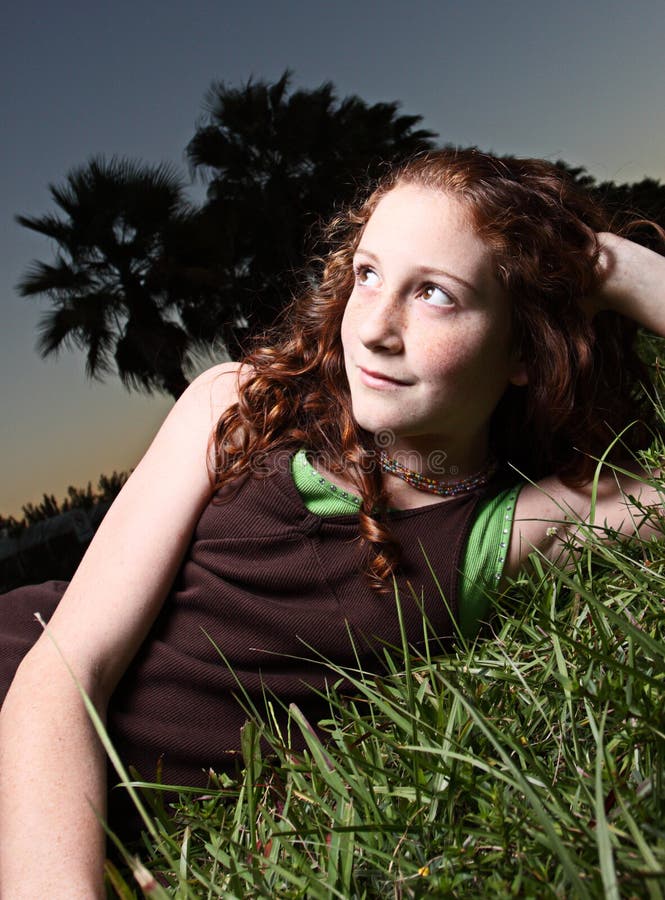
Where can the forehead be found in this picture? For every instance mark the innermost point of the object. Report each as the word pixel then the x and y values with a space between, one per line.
pixel 430 227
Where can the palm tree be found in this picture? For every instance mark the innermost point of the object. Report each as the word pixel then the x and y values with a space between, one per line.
pixel 278 162
pixel 107 289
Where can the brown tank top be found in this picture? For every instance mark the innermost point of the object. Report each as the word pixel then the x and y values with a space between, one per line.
pixel 267 594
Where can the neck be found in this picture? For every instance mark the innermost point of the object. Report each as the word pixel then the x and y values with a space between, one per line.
pixel 441 457
pixel 450 486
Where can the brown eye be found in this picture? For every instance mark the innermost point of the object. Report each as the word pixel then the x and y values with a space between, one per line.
pixel 436 296
pixel 366 276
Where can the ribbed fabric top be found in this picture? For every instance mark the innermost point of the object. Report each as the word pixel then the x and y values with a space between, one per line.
pixel 483 557
pixel 274 590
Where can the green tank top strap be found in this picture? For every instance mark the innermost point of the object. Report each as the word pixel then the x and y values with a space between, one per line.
pixel 484 558
pixel 320 496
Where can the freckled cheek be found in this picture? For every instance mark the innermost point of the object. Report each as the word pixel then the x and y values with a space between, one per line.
pixel 346 330
pixel 442 359
pixel 457 365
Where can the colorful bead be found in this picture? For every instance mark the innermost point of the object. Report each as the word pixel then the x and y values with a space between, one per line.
pixel 432 485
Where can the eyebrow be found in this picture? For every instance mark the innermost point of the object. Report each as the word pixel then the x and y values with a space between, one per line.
pixel 426 270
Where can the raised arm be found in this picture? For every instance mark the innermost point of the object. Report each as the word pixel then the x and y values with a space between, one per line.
pixel 52 768
pixel 633 284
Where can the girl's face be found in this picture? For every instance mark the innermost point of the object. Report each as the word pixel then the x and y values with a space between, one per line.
pixel 426 331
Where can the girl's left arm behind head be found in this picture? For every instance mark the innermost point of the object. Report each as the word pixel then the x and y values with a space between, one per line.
pixel 632 282
pixel 552 518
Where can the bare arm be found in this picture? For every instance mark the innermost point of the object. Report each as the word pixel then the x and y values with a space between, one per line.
pixel 547 514
pixel 52 769
pixel 633 282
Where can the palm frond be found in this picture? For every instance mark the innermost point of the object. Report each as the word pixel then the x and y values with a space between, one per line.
pixel 42 278
pixel 83 326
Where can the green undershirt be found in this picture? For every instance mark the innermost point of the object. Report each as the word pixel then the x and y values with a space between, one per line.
pixel 483 558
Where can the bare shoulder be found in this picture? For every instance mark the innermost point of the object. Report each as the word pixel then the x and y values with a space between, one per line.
pixel 188 427
pixel 130 565
pixel 221 381
pixel 214 390
pixel 549 512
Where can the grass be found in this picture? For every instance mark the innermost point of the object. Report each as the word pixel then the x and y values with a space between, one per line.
pixel 528 764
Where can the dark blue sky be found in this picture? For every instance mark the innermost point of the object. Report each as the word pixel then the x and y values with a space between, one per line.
pixel 579 81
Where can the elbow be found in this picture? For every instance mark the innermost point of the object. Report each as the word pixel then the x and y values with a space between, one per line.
pixel 44 682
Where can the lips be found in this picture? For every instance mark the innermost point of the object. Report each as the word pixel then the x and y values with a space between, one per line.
pixel 378 379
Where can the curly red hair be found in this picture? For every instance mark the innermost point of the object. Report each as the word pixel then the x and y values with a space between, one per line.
pixel 583 376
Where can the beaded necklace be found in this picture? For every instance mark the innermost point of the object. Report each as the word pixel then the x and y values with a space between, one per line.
pixel 433 485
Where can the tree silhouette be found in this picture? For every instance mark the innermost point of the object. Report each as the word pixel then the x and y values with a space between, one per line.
pixel 49 540
pixel 643 199
pixel 276 163
pixel 628 203
pixel 142 280
pixel 47 508
pixel 107 286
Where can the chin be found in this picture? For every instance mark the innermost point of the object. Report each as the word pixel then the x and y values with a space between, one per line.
pixel 368 419
pixel 385 430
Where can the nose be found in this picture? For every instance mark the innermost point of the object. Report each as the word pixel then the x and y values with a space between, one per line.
pixel 381 327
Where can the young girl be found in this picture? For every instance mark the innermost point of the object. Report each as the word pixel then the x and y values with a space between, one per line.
pixel 438 404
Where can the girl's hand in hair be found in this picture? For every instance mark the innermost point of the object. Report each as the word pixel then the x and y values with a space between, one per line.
pixel 632 282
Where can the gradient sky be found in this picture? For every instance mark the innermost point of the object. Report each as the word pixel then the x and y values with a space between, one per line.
pixel 579 81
